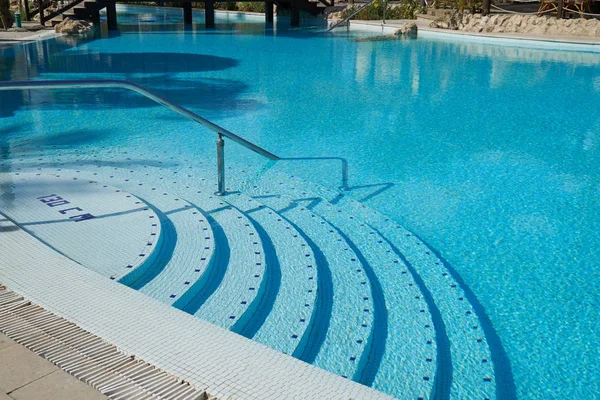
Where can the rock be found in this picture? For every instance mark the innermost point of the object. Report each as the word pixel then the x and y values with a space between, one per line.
pixel 499 23
pixel 73 27
pixel 409 30
pixel 35 28
pixel 454 20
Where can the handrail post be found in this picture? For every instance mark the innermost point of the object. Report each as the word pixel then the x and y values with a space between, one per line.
pixel 26 4
pixel 220 166
pixel 344 174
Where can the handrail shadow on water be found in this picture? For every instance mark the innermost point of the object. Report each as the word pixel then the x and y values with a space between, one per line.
pixel 344 178
pixel 344 162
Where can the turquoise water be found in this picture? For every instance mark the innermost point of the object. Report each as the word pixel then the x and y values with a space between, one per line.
pixel 490 153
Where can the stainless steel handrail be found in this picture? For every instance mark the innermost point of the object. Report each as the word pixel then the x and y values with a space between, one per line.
pixel 359 9
pixel 112 83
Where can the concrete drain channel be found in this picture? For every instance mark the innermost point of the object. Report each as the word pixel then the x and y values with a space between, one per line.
pixel 86 356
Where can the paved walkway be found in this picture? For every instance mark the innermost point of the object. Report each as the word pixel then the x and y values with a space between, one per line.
pixel 12 37
pixel 24 376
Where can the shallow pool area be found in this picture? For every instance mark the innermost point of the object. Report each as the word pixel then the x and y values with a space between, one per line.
pixel 485 156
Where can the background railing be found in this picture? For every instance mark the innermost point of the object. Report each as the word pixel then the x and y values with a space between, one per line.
pixel 345 20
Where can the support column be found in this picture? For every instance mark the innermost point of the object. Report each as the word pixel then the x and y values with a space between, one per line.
pixel 268 12
pixel 26 3
pixel 111 16
pixel 187 12
pixel 209 13
pixel 41 8
pixel 560 12
pixel 295 13
pixel 486 7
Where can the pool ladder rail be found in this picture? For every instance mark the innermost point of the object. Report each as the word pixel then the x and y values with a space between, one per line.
pixel 113 83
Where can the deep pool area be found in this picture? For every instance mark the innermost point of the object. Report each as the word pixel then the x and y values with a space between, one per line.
pixel 490 153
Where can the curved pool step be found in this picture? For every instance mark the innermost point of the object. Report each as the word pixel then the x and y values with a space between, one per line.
pixel 284 316
pixel 411 331
pixel 472 367
pixel 240 288
pixel 186 257
pixel 349 330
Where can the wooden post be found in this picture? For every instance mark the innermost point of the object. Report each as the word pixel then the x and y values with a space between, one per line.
pixel 111 15
pixel 268 11
pixel 26 10
pixel 486 7
pixel 187 12
pixel 209 13
pixel 295 13
pixel 559 12
pixel 41 8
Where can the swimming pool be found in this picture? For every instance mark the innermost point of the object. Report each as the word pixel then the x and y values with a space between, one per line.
pixel 489 153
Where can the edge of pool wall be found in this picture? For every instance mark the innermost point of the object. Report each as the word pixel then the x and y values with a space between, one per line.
pixel 573 43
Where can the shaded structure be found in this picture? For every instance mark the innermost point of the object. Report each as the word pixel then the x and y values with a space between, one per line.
pixel 90 9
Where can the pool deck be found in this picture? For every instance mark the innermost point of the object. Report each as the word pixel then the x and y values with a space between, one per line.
pixel 26 376
pixel 13 37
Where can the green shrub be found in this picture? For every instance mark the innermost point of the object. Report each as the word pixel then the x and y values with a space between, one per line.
pixel 461 5
pixel 374 11
pixel 251 6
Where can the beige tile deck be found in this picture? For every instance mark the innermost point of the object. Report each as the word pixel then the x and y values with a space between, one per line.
pixel 19 367
pixel 59 385
pixel 6 341
pixel 26 376
pixel 4 396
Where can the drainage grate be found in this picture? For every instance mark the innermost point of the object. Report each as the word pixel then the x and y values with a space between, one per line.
pixel 86 356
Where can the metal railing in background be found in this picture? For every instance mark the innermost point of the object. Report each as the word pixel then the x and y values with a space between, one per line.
pixel 345 20
pixel 108 83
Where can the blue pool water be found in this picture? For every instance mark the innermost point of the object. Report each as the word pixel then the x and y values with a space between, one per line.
pixel 490 153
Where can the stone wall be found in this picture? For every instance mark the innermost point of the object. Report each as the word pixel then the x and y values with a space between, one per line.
pixel 499 23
